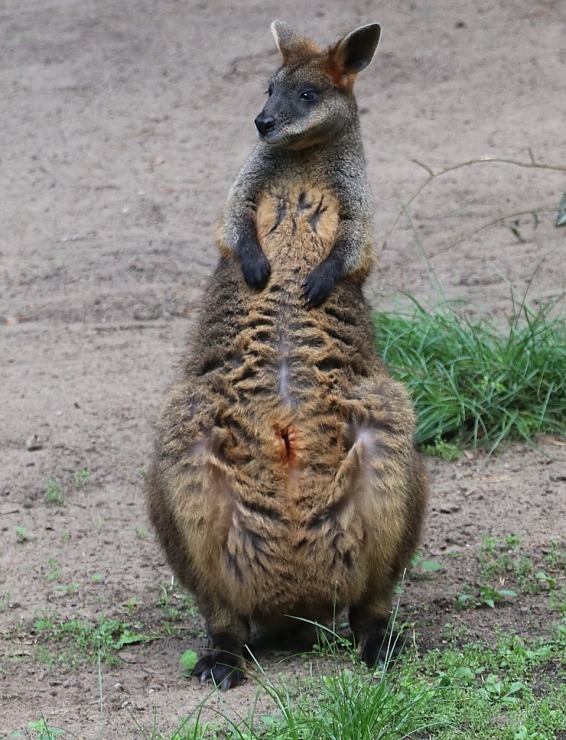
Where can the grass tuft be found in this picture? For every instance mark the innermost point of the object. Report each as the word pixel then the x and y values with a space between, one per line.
pixel 476 383
pixel 513 685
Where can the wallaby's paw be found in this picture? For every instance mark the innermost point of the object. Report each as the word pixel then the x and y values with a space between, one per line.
pixel 255 268
pixel 379 645
pixel 220 667
pixel 319 284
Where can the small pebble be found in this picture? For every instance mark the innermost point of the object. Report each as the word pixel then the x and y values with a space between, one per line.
pixel 34 443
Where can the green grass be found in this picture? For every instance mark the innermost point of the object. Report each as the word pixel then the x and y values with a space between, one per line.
pixel 6 601
pixel 21 534
pixel 516 686
pixel 141 532
pixel 349 704
pixel 346 703
pixel 477 383
pixel 68 642
pixel 512 686
pixel 53 570
pixel 504 561
pixel 53 493
pixel 81 477
pixel 512 689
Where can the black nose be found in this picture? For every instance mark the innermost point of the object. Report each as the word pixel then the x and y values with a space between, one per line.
pixel 264 124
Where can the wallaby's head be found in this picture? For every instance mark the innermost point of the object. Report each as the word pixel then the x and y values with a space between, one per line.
pixel 311 96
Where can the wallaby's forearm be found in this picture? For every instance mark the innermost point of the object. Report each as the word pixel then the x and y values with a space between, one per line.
pixel 352 254
pixel 238 231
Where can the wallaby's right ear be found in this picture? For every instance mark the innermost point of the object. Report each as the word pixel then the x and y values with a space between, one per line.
pixel 355 51
pixel 292 46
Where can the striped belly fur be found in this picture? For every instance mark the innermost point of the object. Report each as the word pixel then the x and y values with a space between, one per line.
pixel 272 389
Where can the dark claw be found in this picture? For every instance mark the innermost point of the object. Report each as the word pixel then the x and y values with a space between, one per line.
pixel 219 667
pixel 255 267
pixel 379 645
pixel 319 285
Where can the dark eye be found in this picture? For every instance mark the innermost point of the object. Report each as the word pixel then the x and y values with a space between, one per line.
pixel 309 95
pixel 269 91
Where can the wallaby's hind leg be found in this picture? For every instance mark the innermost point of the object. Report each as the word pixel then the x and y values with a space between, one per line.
pixel 391 488
pixel 222 662
pixel 188 516
pixel 374 640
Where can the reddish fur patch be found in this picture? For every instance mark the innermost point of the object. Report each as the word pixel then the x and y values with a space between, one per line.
pixel 288 443
pixel 299 53
pixel 334 67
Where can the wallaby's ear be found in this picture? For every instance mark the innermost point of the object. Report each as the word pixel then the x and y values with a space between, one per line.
pixel 292 46
pixel 355 51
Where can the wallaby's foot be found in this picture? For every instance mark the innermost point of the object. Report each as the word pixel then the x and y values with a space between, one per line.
pixel 254 265
pixel 319 284
pixel 221 667
pixel 222 663
pixel 377 644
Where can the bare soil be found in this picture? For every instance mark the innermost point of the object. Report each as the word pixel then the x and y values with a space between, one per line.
pixel 123 125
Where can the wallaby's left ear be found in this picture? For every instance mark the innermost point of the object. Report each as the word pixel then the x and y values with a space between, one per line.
pixel 355 51
pixel 292 46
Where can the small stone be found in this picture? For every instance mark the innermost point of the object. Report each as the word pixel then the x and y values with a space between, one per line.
pixel 34 443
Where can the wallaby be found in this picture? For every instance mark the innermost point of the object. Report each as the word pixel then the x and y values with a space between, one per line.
pixel 285 481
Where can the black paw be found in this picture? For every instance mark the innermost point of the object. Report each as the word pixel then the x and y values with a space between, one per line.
pixel 255 267
pixel 220 667
pixel 379 645
pixel 319 284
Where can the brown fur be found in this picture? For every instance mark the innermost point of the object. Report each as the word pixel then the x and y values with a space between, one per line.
pixel 285 480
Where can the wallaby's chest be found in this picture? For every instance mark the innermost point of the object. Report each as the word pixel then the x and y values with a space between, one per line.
pixel 297 224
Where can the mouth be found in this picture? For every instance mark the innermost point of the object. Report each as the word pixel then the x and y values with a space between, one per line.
pixel 269 138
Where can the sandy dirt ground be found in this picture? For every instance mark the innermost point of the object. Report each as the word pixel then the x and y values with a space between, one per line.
pixel 122 128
